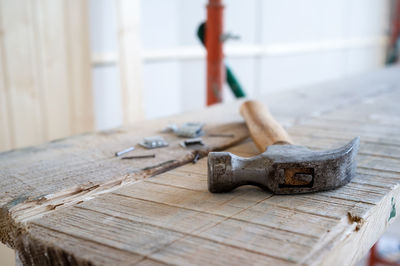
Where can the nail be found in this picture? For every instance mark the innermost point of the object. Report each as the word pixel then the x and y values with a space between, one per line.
pixel 196 158
pixel 124 151
pixel 138 157
pixel 222 135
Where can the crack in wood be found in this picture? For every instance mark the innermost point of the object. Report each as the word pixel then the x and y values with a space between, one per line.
pixel 355 219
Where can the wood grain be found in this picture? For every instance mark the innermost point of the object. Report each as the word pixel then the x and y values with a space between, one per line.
pixel 129 59
pixel 75 169
pixel 25 102
pixel 83 206
pixel 79 67
pixel 6 140
pixel 52 67
pixel 45 90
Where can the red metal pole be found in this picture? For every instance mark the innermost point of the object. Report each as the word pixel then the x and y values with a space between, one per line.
pixel 375 260
pixel 395 24
pixel 215 56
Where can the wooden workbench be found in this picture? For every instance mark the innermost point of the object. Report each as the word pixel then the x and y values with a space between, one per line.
pixel 72 202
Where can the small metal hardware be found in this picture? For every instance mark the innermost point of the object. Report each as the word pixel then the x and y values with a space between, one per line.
pixel 124 151
pixel 190 130
pixel 192 142
pixel 138 157
pixel 153 142
pixel 222 135
pixel 229 36
pixel 196 158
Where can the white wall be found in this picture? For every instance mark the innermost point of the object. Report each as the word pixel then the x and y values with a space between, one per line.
pixel 284 44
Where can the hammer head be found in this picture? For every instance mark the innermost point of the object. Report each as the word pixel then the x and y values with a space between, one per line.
pixel 284 169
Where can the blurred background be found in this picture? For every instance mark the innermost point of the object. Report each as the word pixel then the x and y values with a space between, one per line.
pixel 73 66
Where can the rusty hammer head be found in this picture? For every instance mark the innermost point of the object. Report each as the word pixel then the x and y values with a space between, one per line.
pixel 283 168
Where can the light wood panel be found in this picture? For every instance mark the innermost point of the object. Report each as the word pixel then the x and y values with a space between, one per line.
pixel 6 140
pixel 51 50
pixel 79 65
pixel 45 71
pixel 129 59
pixel 20 67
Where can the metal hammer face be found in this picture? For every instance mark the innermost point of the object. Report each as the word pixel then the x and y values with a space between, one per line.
pixel 284 169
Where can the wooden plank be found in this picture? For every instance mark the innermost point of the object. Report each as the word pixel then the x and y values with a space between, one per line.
pixel 20 59
pixel 357 126
pixel 91 168
pixel 345 205
pixel 152 213
pixel 84 250
pixel 190 222
pixel 64 66
pixel 79 65
pixel 313 103
pixel 193 200
pixel 179 214
pixel 76 190
pixel 111 231
pixel 129 58
pixel 197 251
pixel 52 67
pixel 262 227
pixel 45 71
pixel 102 171
pixel 233 205
pixel 350 246
pixel 6 140
pixel 125 233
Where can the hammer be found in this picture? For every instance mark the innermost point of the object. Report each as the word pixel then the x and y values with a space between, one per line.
pixel 283 168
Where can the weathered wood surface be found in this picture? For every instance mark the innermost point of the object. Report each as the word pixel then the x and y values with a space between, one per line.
pixel 72 202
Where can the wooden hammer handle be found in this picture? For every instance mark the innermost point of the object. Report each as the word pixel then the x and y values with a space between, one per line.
pixel 264 129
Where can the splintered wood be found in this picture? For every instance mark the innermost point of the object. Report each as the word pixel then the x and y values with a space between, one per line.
pixel 72 202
